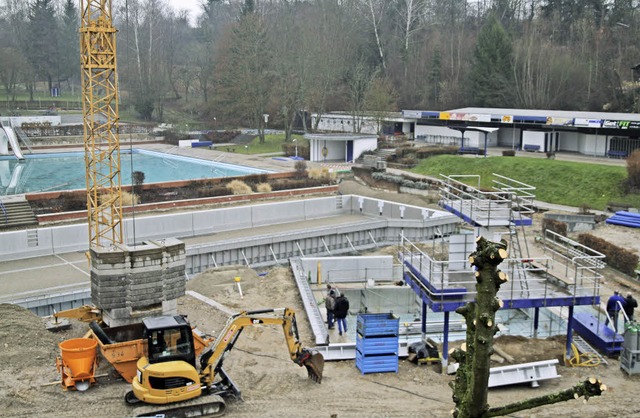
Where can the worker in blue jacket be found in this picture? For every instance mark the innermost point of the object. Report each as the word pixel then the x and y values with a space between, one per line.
pixel 615 303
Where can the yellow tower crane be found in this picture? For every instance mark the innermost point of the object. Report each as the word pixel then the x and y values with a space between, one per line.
pixel 100 115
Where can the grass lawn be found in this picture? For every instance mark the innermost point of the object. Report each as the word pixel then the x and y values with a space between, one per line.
pixel 272 143
pixel 561 182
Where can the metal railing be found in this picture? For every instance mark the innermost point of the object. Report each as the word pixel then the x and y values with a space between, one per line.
pixel 483 207
pixel 445 283
pixel 581 262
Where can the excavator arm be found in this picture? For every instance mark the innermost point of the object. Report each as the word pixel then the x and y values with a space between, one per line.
pixel 85 313
pixel 211 361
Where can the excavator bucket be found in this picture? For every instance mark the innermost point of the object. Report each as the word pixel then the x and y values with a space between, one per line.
pixel 314 364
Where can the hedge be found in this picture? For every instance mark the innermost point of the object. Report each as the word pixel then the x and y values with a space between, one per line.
pixel 616 257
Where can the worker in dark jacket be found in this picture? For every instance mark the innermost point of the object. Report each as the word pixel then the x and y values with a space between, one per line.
pixel 614 305
pixel 341 311
pixel 629 306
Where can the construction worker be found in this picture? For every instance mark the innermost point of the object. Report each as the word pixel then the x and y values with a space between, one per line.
pixel 630 304
pixel 614 305
pixel 330 305
pixel 341 312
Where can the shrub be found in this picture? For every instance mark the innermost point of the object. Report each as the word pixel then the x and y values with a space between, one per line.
pixel 221 137
pixel 71 202
pixel 213 191
pixel 174 137
pixel 616 257
pixel 255 178
pixel 555 226
pixel 427 152
pixel 319 173
pixel 289 149
pixel 128 199
pixel 263 188
pixel 509 153
pixel 633 171
pixel 239 187
pixel 300 167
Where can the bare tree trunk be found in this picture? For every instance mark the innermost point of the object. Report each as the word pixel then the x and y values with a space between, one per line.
pixel 472 378
pixel 470 387
pixel 376 29
pixel 586 389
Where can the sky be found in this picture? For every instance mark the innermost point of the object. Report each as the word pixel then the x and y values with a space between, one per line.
pixel 193 6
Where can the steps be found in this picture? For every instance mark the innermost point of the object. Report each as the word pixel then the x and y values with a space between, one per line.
pixel 16 212
pixel 584 348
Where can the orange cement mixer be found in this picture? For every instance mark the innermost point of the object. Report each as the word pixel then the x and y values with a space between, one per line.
pixel 78 363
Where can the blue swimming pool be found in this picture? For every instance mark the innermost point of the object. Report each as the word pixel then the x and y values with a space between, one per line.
pixel 66 171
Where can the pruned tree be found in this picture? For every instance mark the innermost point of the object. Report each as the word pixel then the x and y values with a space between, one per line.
pixel 472 377
pixel 470 386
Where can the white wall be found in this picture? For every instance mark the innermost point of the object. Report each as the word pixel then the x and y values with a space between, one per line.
pixel 436 130
pixel 508 137
pixel 533 138
pixel 593 145
pixel 336 150
pixel 362 145
pixel 344 123
pixel 569 141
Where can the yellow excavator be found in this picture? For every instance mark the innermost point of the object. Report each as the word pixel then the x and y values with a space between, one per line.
pixel 167 375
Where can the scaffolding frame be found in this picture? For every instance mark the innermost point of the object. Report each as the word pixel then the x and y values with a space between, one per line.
pixel 100 118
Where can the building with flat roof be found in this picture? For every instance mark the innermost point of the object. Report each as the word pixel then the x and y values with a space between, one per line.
pixel 590 133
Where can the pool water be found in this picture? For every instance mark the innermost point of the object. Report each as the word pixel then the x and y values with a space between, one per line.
pixel 66 171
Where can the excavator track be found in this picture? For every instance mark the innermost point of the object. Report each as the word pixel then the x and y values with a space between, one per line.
pixel 203 406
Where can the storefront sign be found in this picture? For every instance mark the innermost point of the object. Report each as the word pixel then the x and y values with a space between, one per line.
pixel 591 123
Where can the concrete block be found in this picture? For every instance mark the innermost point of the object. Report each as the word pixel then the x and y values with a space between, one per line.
pixel 575 222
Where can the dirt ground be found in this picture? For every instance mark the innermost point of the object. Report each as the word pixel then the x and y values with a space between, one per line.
pixel 273 386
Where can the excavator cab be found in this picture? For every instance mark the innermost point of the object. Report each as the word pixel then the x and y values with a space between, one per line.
pixel 169 338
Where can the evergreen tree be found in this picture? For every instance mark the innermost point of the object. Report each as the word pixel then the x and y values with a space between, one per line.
pixel 42 46
pixel 68 54
pixel 491 81
pixel 244 74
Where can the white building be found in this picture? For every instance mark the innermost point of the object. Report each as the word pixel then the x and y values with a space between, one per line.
pixel 342 148
pixel 589 133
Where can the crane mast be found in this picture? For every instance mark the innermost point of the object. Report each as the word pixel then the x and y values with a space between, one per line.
pixel 100 117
